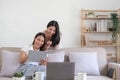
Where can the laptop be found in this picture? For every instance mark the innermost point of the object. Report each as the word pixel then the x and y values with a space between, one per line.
pixel 36 56
pixel 60 71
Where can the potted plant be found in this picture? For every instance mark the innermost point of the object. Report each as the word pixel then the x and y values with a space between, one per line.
pixel 115 26
pixel 18 76
pixel 91 14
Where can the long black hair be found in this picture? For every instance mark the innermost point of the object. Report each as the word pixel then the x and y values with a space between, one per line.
pixel 40 34
pixel 56 37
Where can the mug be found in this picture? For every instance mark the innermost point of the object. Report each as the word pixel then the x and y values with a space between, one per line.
pixel 38 75
pixel 81 76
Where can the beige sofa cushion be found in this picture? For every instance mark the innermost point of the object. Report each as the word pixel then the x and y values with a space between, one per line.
pixel 101 56
pixel 13 49
pixel 85 62
pixel 10 63
pixel 56 56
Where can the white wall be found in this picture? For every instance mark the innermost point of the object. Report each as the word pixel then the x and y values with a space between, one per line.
pixel 20 20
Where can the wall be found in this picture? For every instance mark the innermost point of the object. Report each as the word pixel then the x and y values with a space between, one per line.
pixel 20 20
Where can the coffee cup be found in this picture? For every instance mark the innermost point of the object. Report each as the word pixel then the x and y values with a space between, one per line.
pixel 38 75
pixel 82 76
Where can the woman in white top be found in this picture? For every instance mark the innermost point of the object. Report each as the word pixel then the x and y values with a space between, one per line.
pixel 53 35
pixel 37 45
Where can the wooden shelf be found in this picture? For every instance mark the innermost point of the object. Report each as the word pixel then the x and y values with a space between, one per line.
pixel 99 46
pixel 96 18
pixel 100 10
pixel 98 25
pixel 97 32
pixel 113 58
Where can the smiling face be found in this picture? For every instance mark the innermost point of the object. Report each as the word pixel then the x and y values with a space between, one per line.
pixel 51 31
pixel 38 42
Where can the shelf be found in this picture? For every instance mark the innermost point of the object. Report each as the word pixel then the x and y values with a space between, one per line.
pixel 95 32
pixel 113 58
pixel 96 18
pixel 100 46
pixel 100 10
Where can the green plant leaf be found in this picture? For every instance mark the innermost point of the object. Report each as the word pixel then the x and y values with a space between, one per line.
pixel 115 26
pixel 18 74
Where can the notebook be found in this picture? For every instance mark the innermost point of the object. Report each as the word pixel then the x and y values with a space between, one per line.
pixel 60 71
pixel 36 56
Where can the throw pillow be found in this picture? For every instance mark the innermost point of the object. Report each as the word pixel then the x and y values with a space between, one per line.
pixel 111 73
pixel 56 56
pixel 10 63
pixel 85 62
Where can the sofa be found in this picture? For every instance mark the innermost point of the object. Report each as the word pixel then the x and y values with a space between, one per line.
pixel 92 61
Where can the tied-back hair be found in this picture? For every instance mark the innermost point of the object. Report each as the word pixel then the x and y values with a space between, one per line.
pixel 40 34
pixel 56 37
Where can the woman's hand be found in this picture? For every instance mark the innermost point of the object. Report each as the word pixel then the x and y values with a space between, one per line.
pixel 49 43
pixel 43 62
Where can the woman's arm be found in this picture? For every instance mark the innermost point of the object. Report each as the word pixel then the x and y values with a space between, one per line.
pixel 23 57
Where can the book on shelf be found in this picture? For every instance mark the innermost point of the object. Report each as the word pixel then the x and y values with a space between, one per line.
pixel 101 26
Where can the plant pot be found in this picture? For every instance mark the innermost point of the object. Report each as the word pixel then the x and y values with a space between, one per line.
pixel 16 78
pixel 91 16
pixel 111 29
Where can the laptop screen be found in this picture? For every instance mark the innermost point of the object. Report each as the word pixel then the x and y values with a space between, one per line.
pixel 60 71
